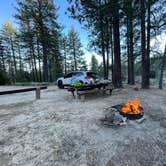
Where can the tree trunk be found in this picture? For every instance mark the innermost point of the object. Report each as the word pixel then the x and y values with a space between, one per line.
pixel 65 56
pixel 148 47
pixel 117 59
pixel 3 68
pixel 163 66
pixel 107 52
pixel 128 52
pixel 20 59
pixel 65 62
pixel 143 47
pixel 103 54
pixel 107 46
pixel 11 74
pixel 45 64
pixel 74 54
pixel 112 48
pixel 129 13
pixel 102 40
pixel 132 80
pixel 34 62
pixel 3 63
pixel 14 58
pixel 50 69
pixel 39 61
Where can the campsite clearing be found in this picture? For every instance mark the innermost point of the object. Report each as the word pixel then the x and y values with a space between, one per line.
pixel 58 130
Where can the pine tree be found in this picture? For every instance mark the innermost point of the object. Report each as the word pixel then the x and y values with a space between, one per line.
pixel 8 34
pixel 75 50
pixel 103 21
pixel 38 18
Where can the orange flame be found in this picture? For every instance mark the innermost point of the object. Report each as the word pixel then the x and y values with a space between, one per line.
pixel 131 107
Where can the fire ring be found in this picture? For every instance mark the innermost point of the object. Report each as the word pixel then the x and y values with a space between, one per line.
pixel 132 116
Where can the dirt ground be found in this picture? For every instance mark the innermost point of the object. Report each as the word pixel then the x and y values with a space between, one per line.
pixel 60 131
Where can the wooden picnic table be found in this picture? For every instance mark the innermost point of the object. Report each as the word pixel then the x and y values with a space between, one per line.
pixel 78 92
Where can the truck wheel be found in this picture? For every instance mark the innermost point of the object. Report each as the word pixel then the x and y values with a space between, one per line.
pixel 81 82
pixel 60 84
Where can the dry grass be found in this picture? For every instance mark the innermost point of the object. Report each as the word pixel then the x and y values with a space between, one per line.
pixel 58 130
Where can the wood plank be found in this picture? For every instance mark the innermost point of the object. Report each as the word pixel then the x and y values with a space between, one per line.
pixel 20 90
pixel 87 91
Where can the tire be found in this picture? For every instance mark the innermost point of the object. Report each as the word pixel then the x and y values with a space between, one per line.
pixel 60 84
pixel 81 81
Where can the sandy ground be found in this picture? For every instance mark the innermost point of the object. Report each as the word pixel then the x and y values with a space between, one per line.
pixel 60 131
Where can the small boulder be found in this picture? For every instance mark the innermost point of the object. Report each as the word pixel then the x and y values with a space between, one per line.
pixel 136 88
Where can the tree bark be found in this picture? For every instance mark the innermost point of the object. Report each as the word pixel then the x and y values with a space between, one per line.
pixel 112 47
pixel 163 66
pixel 65 55
pixel 74 55
pixel 102 40
pixel 128 52
pixel 107 52
pixel 2 58
pixel 39 61
pixel 20 59
pixel 143 47
pixel 103 52
pixel 14 58
pixel 117 58
pixel 107 46
pixel 34 62
pixel 132 80
pixel 129 14
pixel 148 47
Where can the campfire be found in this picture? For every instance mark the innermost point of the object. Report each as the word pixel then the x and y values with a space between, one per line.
pixel 120 114
pixel 132 110
pixel 132 107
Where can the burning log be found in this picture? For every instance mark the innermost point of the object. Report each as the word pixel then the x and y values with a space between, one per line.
pixel 132 110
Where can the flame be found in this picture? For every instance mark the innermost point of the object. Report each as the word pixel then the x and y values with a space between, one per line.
pixel 132 107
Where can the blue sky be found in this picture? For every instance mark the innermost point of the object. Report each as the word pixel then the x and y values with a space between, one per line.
pixel 7 11
pixel 67 22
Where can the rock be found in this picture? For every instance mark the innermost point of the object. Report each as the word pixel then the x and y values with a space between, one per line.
pixel 112 117
pixel 109 115
pixel 118 119
pixel 136 88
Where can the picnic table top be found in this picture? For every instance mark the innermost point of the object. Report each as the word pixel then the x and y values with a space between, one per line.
pixel 90 86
